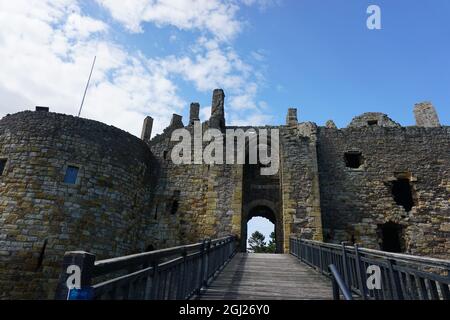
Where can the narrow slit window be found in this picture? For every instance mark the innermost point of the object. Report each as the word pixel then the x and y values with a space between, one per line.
pixel 2 166
pixel 175 202
pixel 353 159
pixel 71 175
pixel 174 208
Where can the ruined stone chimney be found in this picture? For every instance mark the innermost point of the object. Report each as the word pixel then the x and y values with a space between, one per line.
pixel 177 121
pixel 291 118
pixel 42 109
pixel 194 112
pixel 426 115
pixel 147 129
pixel 217 119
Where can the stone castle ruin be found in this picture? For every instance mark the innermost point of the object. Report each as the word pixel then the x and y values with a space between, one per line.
pixel 68 183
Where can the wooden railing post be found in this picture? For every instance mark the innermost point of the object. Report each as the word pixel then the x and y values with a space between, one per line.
pixel 182 279
pixel 360 273
pixel 155 281
pixel 201 267
pixel 77 272
pixel 395 280
pixel 206 263
pixel 344 263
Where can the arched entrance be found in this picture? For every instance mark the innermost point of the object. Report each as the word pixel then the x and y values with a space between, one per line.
pixel 265 209
pixel 261 198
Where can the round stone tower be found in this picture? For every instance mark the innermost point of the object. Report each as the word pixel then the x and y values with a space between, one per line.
pixel 67 183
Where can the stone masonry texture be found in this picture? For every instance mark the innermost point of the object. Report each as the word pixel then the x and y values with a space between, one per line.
pixel 332 185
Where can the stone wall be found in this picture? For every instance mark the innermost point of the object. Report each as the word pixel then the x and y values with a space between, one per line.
pixel 356 201
pixel 333 185
pixel 300 183
pixel 105 212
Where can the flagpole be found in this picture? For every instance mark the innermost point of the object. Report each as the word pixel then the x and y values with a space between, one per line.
pixel 87 85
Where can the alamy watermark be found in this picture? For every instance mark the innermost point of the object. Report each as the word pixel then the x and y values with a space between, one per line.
pixel 236 146
pixel 374 20
pixel 374 277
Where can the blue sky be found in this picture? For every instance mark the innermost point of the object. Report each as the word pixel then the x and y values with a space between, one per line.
pixel 154 57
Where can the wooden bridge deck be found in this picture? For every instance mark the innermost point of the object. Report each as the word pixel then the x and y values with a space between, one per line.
pixel 251 276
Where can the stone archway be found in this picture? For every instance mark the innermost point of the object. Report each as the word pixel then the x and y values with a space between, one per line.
pixel 265 209
pixel 261 198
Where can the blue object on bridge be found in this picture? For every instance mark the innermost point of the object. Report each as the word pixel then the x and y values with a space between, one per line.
pixel 86 293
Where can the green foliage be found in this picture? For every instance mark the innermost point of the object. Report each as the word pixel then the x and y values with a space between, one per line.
pixel 257 243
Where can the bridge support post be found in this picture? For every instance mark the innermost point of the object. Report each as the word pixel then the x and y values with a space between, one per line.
pixel 77 274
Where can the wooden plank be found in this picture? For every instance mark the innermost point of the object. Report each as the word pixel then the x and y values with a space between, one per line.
pixel 268 276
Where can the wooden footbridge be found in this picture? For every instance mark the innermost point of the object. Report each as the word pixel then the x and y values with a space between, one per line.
pixel 213 269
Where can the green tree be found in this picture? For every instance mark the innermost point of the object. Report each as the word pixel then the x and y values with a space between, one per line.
pixel 272 245
pixel 257 243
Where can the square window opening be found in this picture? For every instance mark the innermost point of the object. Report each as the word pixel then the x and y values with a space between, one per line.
pixel 353 160
pixel 71 174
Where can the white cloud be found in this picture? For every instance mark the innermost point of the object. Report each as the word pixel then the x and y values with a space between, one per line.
pixel 215 16
pixel 49 46
pixel 262 4
pixel 252 119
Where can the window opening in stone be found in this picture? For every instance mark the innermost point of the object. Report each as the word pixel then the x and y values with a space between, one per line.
pixel 174 208
pixel 155 216
pixel 175 203
pixel 2 166
pixel 165 154
pixel 353 159
pixel 391 237
pixel 71 174
pixel 402 193
pixel 372 122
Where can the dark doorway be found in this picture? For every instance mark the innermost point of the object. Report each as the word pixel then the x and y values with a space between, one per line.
pixel 402 193
pixel 391 237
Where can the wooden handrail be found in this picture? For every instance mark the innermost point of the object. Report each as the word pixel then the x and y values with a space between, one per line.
pixel 172 273
pixel 396 276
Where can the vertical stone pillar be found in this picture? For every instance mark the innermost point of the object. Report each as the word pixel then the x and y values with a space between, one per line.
pixel 217 119
pixel 147 129
pixel 426 115
pixel 291 118
pixel 177 121
pixel 194 113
